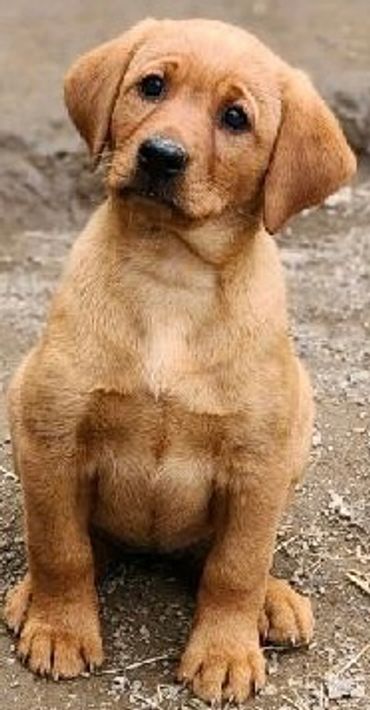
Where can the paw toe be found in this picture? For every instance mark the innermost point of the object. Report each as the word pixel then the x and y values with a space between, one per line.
pixel 16 604
pixel 92 651
pixel 208 683
pixel 35 648
pixel 68 662
pixel 289 614
pixel 190 663
pixel 239 683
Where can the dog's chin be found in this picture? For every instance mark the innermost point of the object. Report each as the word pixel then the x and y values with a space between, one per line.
pixel 157 197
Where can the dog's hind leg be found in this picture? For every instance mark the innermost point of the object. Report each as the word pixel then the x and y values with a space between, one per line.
pixel 287 616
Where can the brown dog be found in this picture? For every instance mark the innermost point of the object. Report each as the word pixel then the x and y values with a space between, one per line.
pixel 164 402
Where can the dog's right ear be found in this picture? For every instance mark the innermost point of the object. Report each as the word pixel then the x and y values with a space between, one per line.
pixel 92 85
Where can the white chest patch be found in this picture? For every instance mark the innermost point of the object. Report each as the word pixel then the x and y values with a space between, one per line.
pixel 166 353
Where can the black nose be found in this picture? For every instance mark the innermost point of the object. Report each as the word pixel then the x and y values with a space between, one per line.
pixel 162 157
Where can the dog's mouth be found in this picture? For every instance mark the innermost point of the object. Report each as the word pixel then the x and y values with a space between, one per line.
pixel 155 191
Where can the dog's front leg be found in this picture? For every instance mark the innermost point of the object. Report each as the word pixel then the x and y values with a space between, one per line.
pixel 55 606
pixel 223 656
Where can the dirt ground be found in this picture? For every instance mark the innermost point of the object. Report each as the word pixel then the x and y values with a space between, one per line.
pixel 324 542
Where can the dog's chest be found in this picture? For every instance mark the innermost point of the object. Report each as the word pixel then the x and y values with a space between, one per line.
pixel 165 326
pixel 164 352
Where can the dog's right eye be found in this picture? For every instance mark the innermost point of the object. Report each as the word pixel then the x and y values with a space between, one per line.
pixel 152 87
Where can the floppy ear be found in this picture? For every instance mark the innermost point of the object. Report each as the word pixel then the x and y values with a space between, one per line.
pixel 311 157
pixel 92 84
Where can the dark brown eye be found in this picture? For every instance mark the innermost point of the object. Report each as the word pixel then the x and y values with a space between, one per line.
pixel 235 118
pixel 152 87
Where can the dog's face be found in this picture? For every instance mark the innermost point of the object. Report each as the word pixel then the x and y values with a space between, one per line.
pixel 202 118
pixel 188 108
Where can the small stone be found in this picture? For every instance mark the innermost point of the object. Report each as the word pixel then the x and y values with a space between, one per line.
pixel 339 688
pixel 337 505
pixel 269 690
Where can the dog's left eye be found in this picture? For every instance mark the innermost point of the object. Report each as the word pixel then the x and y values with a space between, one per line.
pixel 152 87
pixel 235 118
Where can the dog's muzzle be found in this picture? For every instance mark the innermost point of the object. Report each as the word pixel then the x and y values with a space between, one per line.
pixel 159 162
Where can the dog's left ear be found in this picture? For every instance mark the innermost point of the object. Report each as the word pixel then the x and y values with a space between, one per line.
pixel 311 157
pixel 91 86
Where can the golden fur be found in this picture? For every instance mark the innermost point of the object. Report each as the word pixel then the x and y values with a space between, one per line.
pixel 164 402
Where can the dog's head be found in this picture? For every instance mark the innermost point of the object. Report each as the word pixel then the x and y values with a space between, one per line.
pixel 203 118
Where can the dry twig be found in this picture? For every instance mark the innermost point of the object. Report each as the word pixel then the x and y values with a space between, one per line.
pixel 352 661
pixel 148 661
pixel 359 580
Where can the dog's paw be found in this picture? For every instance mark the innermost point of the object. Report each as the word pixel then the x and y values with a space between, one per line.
pixel 57 639
pixel 50 649
pixel 218 669
pixel 16 604
pixel 287 616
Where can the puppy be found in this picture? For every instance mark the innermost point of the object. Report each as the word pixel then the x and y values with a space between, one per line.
pixel 164 402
